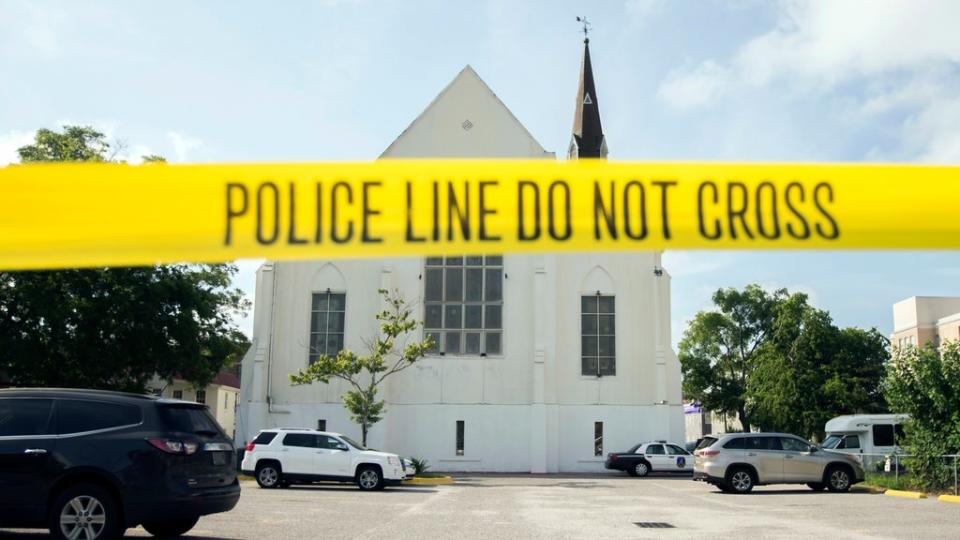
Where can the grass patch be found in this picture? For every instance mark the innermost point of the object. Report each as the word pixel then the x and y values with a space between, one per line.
pixel 889 481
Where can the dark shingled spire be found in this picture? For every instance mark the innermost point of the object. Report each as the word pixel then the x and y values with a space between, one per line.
pixel 588 140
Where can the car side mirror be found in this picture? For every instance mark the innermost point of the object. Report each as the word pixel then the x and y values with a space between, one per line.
pixel 813 450
pixel 343 447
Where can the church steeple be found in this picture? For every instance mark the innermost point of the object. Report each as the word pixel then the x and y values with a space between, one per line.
pixel 588 140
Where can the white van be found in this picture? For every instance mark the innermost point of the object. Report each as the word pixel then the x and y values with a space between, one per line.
pixel 872 436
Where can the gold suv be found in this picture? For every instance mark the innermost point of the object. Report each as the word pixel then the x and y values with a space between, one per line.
pixel 738 461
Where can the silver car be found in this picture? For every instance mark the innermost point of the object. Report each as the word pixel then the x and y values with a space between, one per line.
pixel 738 461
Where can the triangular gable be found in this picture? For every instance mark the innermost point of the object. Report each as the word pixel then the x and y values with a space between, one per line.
pixel 466 120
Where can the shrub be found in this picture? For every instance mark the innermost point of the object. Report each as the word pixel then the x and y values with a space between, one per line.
pixel 925 382
pixel 420 466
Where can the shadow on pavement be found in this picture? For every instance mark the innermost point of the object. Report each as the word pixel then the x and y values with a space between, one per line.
pixel 782 492
pixel 37 534
pixel 352 488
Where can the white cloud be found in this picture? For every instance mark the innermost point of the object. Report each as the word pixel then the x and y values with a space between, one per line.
pixel 937 129
pixel 690 88
pixel 817 46
pixel 183 145
pixel 642 8
pixel 10 142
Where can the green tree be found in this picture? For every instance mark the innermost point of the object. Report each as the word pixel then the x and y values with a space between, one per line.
pixel 75 143
pixel 114 328
pixel 780 364
pixel 720 348
pixel 811 371
pixel 925 383
pixel 389 353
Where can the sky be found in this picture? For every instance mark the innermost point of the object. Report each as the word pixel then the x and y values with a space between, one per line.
pixel 737 80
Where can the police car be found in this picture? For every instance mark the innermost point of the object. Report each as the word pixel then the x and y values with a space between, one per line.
pixel 658 456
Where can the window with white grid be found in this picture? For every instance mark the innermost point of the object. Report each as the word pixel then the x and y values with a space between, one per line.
pixel 327 313
pixel 598 341
pixel 463 304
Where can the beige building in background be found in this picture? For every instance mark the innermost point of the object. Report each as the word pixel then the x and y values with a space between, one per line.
pixel 220 396
pixel 919 320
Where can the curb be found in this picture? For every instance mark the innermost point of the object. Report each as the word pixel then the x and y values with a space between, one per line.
pixel 438 481
pixel 905 494
pixel 949 498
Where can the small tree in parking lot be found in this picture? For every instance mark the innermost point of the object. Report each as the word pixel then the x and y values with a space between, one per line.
pixel 389 354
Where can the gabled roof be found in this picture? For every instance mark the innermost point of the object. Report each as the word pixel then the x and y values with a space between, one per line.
pixel 466 119
pixel 588 140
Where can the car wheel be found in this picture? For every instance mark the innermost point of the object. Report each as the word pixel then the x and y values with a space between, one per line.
pixel 171 528
pixel 724 487
pixel 740 480
pixel 817 486
pixel 369 478
pixel 269 475
pixel 641 469
pixel 838 479
pixel 85 511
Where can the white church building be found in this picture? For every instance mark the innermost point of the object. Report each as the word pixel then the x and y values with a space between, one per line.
pixel 544 363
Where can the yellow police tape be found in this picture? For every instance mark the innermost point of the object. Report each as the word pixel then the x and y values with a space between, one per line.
pixel 76 215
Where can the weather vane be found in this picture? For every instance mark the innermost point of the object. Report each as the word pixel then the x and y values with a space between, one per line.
pixel 586 26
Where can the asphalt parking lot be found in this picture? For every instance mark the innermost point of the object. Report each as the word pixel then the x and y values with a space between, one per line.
pixel 567 507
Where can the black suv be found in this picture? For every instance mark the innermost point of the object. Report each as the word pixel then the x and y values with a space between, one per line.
pixel 89 464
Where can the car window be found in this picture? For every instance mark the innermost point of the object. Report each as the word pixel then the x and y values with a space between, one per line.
pixel 763 443
pixel 655 449
pixel 303 440
pixel 738 443
pixel 674 450
pixel 265 438
pixel 831 442
pixel 898 432
pixel 353 443
pixel 81 416
pixel 794 445
pixel 883 434
pixel 189 419
pixel 324 441
pixel 851 442
pixel 25 416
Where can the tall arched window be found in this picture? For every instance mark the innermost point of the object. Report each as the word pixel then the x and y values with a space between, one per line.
pixel 598 341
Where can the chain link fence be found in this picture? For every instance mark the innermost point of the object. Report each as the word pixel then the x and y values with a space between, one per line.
pixel 895 470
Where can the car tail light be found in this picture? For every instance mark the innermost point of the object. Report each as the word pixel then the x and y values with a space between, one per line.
pixel 250 447
pixel 709 453
pixel 172 446
pixel 613 457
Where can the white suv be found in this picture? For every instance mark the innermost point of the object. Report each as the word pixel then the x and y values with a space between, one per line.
pixel 280 457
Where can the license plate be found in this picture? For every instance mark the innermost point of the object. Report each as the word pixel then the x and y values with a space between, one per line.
pixel 219 458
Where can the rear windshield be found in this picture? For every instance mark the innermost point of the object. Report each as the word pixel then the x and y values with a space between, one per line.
pixel 706 442
pixel 190 420
pixel 265 438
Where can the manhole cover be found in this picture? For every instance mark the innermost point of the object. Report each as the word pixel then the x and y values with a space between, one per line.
pixel 653 525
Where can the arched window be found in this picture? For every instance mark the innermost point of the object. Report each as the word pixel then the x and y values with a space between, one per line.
pixel 327 314
pixel 598 341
